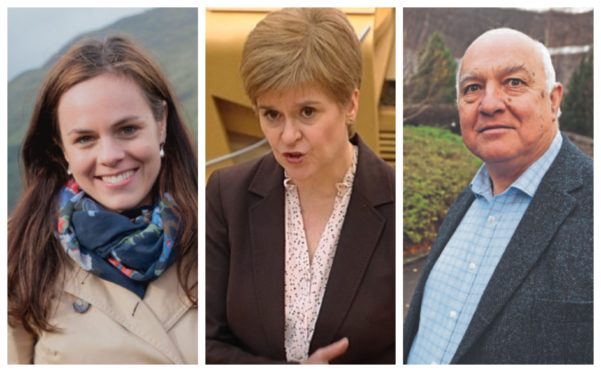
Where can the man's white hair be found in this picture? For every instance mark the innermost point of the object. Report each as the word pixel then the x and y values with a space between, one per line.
pixel 543 51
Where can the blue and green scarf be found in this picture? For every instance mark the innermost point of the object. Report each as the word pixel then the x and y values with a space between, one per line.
pixel 130 249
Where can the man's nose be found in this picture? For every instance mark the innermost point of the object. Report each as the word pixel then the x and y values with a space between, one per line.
pixel 110 152
pixel 290 132
pixel 493 101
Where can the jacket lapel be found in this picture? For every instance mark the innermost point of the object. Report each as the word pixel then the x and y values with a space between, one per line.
pixel 358 238
pixel 149 319
pixel 266 219
pixel 550 206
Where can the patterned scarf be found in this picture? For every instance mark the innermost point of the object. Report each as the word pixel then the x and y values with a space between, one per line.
pixel 129 251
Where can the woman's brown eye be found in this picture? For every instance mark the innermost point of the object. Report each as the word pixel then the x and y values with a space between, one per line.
pixel 308 112
pixel 271 115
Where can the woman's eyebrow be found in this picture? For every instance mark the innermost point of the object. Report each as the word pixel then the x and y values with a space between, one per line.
pixel 115 124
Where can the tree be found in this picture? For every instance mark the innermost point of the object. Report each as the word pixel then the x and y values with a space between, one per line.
pixel 577 107
pixel 434 80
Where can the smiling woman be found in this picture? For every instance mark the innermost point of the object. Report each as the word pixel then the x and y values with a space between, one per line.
pixel 102 247
pixel 111 141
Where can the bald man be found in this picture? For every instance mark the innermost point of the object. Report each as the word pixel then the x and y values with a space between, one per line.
pixel 510 276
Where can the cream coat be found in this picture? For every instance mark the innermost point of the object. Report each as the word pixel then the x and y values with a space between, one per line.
pixel 118 327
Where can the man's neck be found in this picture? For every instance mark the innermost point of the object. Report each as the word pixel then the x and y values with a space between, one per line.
pixel 504 173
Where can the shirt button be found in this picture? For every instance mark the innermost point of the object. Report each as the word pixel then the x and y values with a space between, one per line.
pixel 472 266
pixel 492 220
pixel 453 314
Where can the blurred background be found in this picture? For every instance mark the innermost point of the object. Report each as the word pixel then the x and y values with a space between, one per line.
pixel 436 164
pixel 37 36
pixel 233 133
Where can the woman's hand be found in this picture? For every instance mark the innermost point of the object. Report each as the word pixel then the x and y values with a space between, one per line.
pixel 323 355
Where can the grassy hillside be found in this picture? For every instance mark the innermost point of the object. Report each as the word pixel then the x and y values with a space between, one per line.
pixel 436 167
pixel 170 35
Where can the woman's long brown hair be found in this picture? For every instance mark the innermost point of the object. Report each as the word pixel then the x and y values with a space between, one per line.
pixel 35 258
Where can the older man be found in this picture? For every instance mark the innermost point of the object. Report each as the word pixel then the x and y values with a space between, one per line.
pixel 510 276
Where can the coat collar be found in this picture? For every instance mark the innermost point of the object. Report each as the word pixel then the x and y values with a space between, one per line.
pixel 371 188
pixel 150 319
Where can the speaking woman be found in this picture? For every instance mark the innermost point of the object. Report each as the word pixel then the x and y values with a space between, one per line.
pixel 102 246
pixel 300 243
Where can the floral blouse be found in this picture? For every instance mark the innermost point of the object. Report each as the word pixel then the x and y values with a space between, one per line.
pixel 305 280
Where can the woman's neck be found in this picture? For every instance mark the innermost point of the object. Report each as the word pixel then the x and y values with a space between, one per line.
pixel 323 185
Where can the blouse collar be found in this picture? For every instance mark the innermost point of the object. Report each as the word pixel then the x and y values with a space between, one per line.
pixel 345 184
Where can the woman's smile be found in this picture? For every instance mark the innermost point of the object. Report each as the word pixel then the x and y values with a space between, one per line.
pixel 118 180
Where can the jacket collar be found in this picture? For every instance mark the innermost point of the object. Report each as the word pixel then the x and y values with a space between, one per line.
pixel 371 189
pixel 150 319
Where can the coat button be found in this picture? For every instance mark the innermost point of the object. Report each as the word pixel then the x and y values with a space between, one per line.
pixel 81 306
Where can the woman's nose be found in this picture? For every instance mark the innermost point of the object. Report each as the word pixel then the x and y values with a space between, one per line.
pixel 290 132
pixel 110 152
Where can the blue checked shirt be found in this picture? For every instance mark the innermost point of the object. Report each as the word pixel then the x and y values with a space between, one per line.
pixel 461 273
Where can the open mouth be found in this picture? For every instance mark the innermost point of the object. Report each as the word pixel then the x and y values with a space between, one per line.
pixel 294 157
pixel 118 179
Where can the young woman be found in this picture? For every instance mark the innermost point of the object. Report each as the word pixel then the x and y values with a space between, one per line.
pixel 102 246
pixel 300 243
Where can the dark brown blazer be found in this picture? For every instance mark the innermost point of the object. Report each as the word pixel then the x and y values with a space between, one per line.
pixel 245 266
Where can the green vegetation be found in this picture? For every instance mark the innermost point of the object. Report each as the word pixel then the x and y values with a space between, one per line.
pixel 436 167
pixel 434 79
pixel 170 35
pixel 577 107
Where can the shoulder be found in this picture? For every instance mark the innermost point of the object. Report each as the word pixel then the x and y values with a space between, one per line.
pixel 571 171
pixel 20 345
pixel 574 157
pixel 241 176
pixel 374 176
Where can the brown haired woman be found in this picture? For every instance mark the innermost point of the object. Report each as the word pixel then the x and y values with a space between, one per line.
pixel 300 243
pixel 102 246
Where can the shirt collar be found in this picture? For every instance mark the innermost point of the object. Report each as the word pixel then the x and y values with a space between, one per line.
pixel 528 181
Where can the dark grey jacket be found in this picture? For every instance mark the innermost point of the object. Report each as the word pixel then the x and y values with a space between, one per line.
pixel 538 305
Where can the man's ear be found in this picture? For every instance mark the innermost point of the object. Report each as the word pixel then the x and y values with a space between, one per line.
pixel 556 96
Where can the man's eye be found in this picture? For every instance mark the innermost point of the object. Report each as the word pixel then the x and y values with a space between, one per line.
pixel 513 82
pixel 308 112
pixel 471 88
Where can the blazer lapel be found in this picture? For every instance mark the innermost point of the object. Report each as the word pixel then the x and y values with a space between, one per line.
pixel 358 238
pixel 550 206
pixel 130 311
pixel 355 247
pixel 266 219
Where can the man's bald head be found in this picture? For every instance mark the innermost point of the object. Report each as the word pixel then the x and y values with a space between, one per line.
pixel 508 35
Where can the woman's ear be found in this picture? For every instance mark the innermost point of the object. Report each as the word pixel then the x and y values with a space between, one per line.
pixel 163 123
pixel 353 106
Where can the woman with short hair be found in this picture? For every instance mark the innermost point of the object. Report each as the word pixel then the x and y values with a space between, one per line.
pixel 300 243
